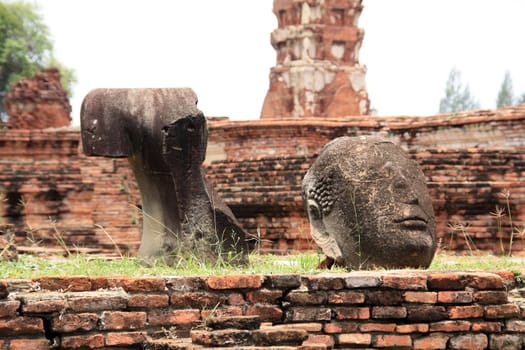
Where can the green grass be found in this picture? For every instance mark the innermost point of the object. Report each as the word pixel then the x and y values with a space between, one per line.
pixel 29 266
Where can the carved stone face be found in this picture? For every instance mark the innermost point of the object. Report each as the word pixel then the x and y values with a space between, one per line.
pixel 368 205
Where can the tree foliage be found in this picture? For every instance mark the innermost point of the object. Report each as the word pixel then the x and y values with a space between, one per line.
pixel 25 47
pixel 506 93
pixel 457 97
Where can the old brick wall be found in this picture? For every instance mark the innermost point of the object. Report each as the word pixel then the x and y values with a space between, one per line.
pixel 38 102
pixel 394 309
pixel 51 191
pixel 472 161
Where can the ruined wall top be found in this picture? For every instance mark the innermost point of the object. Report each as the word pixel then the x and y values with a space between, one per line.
pixel 38 102
pixel 317 72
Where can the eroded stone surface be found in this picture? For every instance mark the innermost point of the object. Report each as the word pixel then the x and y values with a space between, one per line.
pixel 368 205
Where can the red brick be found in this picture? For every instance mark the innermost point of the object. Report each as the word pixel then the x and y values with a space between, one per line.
pixel 486 327
pixel 502 311
pixel 455 297
pixel 446 281
pixel 125 338
pixel 483 281
pixel 389 341
pixel 405 282
pixel 284 281
pixel 506 341
pixel 265 312
pixel 516 326
pixel 44 306
pixel 352 313
pixel 221 312
pixel 308 314
pixel 149 301
pixel 509 278
pixel 412 328
pixel 265 296
pixel 64 283
pixel 328 340
pixel 21 325
pixel 469 342
pixel 306 298
pixel 319 282
pixel 431 342
pixel 360 279
pixel 234 281
pixel 354 339
pixel 384 297
pixel 144 284
pixel 488 297
pixel 68 323
pixel 9 308
pixel 377 327
pixel 99 301
pixel 467 311
pixel 186 284
pixel 426 313
pixel 83 341
pixel 236 299
pixel 118 320
pixel 4 292
pixel 33 344
pixel 389 312
pixel 346 297
pixel 310 327
pixel 341 327
pixel 173 317
pixel 450 326
pixel 197 299
pixel 420 297
pixel 130 284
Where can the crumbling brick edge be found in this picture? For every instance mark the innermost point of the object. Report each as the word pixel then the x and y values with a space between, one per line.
pixel 380 309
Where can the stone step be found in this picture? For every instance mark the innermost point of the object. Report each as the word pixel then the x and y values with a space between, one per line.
pixel 241 337
pixel 234 322
pixel 185 344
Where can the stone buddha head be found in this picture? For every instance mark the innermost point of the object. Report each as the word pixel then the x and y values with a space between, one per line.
pixel 369 206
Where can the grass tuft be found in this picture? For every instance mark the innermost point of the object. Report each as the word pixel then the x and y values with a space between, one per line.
pixel 29 266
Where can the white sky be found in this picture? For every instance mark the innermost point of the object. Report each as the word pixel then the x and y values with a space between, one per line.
pixel 221 48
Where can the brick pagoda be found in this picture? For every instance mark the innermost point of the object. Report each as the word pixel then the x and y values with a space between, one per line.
pixel 317 74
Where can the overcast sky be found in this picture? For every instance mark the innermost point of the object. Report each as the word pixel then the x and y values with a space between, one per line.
pixel 222 49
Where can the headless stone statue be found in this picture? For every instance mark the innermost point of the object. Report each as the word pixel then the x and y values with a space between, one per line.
pixel 164 137
pixel 369 206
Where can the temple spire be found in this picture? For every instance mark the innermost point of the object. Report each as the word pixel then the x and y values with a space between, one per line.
pixel 317 74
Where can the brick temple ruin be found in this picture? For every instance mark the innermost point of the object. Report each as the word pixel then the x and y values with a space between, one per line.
pixel 474 161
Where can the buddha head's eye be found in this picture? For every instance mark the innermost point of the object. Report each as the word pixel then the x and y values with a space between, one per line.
pixel 314 211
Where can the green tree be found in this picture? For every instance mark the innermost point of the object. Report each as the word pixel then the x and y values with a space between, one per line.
pixel 457 97
pixel 25 47
pixel 521 99
pixel 506 93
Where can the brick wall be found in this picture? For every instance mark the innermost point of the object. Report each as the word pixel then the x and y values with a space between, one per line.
pixel 471 160
pixel 52 191
pixel 394 309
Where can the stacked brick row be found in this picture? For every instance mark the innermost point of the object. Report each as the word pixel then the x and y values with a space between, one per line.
pixel 395 309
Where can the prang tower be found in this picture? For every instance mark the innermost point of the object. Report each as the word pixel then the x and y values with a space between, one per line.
pixel 317 74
